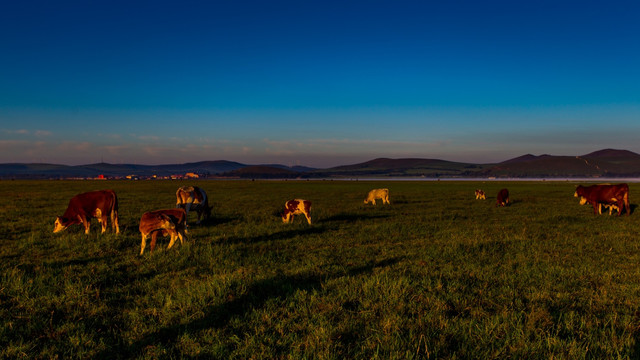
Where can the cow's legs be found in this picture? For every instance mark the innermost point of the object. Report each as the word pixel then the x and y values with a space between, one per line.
pixel 103 222
pixel 114 222
pixel 86 222
pixel 154 238
pixel 187 207
pixel 142 244
pixel 308 218
pixel 173 239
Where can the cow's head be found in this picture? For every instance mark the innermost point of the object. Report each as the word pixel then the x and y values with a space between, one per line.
pixel 60 224
pixel 286 215
pixel 165 222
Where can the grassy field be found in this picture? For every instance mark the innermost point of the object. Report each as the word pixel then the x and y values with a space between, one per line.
pixel 436 274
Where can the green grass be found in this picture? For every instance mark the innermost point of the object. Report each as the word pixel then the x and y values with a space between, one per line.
pixel 436 274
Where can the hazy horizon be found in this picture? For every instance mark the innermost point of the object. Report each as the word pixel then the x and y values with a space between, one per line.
pixel 318 84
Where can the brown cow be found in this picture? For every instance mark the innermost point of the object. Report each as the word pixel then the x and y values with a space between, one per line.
pixel 193 197
pixel 377 194
pixel 604 194
pixel 165 222
pixel 503 198
pixel 100 204
pixel 480 194
pixel 296 207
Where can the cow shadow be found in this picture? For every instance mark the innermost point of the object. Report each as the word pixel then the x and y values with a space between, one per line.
pixel 256 296
pixel 353 217
pixel 77 262
pixel 277 236
pixel 214 220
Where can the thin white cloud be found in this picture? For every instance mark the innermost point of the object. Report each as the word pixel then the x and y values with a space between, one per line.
pixel 42 133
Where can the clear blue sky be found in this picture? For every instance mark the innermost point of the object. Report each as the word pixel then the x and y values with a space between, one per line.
pixel 316 83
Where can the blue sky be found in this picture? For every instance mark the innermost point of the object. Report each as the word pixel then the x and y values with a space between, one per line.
pixel 316 83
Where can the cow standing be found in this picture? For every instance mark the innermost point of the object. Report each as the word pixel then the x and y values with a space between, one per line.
pixel 378 194
pixel 480 195
pixel 165 222
pixel 596 195
pixel 193 198
pixel 502 198
pixel 101 204
pixel 296 207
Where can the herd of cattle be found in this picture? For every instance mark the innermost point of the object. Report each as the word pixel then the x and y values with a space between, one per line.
pixel 103 205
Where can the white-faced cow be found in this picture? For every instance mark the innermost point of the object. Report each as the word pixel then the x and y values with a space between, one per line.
pixel 101 204
pixel 374 194
pixel 164 222
pixel 480 195
pixel 296 207
pixel 193 198
pixel 596 195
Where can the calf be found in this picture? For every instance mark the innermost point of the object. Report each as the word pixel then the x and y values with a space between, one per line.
pixel 166 222
pixel 100 204
pixel 377 194
pixel 296 207
pixel 480 195
pixel 193 197
pixel 604 194
pixel 502 198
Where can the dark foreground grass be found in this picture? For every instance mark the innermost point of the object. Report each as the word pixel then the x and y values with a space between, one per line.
pixel 437 274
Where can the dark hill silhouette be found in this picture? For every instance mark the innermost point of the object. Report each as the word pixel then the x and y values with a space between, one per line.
pixel 611 154
pixel 264 172
pixel 606 162
pixel 527 157
pixel 402 167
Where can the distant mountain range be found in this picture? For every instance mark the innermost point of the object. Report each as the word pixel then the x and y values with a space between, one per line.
pixel 604 163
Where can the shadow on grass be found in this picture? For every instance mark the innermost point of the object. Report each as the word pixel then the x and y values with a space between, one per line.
pixel 277 236
pixel 76 262
pixel 215 220
pixel 354 217
pixel 257 295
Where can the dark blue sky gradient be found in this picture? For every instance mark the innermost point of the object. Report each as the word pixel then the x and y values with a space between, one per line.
pixel 317 83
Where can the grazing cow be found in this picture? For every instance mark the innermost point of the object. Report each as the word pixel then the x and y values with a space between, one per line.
pixel 605 194
pixel 193 198
pixel 100 204
pixel 503 198
pixel 165 222
pixel 296 207
pixel 480 194
pixel 377 194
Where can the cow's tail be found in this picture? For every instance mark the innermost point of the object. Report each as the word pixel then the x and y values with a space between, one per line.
pixel 626 202
pixel 114 213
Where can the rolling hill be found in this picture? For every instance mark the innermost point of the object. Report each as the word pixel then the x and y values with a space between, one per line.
pixel 603 163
